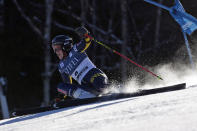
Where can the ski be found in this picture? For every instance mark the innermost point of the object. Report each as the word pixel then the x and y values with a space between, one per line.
pixel 116 96
pixel 109 97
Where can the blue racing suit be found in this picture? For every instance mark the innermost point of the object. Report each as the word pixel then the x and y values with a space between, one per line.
pixel 78 66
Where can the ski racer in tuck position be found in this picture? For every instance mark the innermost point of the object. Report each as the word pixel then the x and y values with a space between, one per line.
pixel 74 63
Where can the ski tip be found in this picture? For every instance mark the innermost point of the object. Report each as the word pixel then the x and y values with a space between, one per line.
pixel 14 114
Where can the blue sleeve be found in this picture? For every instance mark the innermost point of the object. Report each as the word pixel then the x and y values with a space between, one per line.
pixel 83 45
pixel 66 79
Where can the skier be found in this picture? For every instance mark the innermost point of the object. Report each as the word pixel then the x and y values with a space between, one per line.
pixel 74 63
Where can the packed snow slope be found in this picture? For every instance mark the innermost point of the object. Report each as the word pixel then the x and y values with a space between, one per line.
pixel 170 111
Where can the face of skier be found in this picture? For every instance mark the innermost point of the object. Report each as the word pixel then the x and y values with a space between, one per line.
pixel 59 52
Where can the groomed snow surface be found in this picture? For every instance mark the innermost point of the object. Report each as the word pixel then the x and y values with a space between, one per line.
pixel 170 111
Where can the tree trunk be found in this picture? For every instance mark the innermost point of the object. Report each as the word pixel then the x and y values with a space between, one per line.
pixel 3 104
pixel 92 53
pixel 1 16
pixel 84 4
pixel 47 32
pixel 124 37
pixel 158 22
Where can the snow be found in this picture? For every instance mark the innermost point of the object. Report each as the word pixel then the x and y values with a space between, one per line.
pixel 171 111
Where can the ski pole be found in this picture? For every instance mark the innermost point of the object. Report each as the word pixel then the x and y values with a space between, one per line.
pixel 123 56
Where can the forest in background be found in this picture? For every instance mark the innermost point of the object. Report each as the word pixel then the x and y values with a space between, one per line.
pixel 144 33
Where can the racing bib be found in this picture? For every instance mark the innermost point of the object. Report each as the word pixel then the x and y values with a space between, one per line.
pixel 76 65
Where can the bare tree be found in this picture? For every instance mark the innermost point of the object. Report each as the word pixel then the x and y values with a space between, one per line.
pixel 84 7
pixel 158 22
pixel 125 39
pixel 1 15
pixel 92 26
pixel 45 37
pixel 94 15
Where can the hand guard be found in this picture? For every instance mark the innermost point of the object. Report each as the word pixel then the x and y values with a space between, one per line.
pixel 81 31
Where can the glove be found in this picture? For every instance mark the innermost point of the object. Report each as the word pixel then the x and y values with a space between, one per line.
pixel 82 31
pixel 59 98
